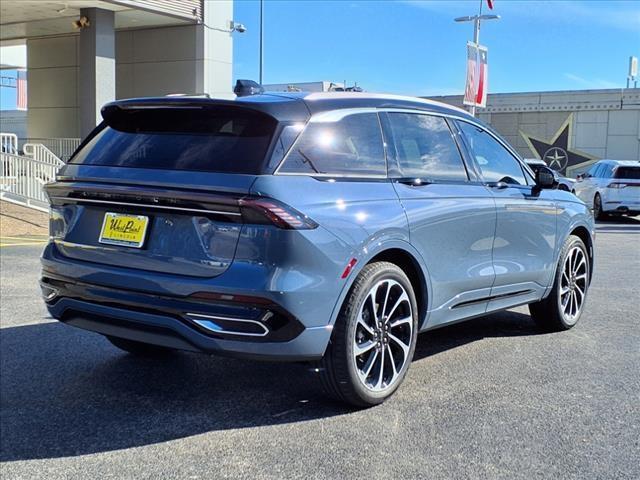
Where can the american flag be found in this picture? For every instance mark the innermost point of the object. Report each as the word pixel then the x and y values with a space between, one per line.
pixel 21 90
pixel 475 92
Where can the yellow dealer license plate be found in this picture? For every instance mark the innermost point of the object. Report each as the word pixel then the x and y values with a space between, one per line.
pixel 125 230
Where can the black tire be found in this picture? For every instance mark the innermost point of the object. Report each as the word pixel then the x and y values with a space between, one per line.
pixel 598 214
pixel 139 348
pixel 562 186
pixel 549 313
pixel 337 371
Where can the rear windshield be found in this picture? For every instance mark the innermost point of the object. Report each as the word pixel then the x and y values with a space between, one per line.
pixel 628 172
pixel 224 140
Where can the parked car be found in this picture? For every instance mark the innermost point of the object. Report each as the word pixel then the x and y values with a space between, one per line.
pixel 324 227
pixel 612 187
pixel 563 183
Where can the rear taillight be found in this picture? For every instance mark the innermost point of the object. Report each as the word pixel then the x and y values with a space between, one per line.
pixel 269 211
pixel 616 185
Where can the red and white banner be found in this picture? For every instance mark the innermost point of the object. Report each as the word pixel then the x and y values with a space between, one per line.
pixel 475 92
pixel 21 90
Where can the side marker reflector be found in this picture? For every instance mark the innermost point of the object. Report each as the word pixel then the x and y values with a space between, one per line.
pixel 349 267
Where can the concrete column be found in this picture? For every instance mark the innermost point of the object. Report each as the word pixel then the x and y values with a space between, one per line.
pixel 97 66
pixel 214 50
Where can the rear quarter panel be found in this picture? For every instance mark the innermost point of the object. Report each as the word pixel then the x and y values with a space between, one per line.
pixel 363 217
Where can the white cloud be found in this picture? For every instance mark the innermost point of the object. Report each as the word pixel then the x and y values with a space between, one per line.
pixel 594 83
pixel 622 15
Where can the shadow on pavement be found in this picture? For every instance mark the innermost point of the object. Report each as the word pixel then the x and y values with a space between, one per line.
pixel 618 225
pixel 65 392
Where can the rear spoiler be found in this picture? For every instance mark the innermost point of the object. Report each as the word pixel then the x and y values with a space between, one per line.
pixel 281 108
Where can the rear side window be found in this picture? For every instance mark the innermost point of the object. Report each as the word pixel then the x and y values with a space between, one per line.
pixel 224 140
pixel 337 145
pixel 628 172
pixel 607 172
pixel 496 163
pixel 425 147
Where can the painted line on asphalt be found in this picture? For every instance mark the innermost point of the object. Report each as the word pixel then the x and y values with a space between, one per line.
pixel 2 245
pixel 26 238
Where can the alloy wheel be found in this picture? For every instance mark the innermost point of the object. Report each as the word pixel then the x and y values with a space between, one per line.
pixel 573 284
pixel 383 334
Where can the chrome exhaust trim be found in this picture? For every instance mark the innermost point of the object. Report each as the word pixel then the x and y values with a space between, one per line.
pixel 208 323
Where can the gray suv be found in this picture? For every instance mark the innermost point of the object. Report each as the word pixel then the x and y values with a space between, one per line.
pixel 327 228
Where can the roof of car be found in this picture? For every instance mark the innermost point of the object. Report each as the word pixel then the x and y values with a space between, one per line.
pixel 295 106
pixel 625 163
pixel 535 161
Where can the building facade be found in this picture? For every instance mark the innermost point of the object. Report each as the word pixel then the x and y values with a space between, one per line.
pixel 83 54
pixel 570 130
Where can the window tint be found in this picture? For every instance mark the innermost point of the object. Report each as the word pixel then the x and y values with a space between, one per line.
pixel 350 145
pixel 592 171
pixel 599 170
pixel 425 147
pixel 495 162
pixel 608 170
pixel 223 140
pixel 628 172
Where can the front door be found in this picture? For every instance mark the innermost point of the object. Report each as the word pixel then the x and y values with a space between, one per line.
pixel 525 239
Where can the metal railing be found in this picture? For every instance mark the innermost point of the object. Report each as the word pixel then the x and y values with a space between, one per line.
pixel 22 178
pixel 62 148
pixel 9 143
pixel 41 153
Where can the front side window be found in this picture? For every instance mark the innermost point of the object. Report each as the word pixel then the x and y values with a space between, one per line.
pixel 425 147
pixel 592 171
pixel 350 145
pixel 496 163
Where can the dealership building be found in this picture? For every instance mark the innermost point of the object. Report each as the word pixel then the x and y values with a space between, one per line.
pixel 570 130
pixel 81 54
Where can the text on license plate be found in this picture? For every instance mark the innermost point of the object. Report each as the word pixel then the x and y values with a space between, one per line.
pixel 125 230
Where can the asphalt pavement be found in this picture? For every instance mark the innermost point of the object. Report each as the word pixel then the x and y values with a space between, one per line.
pixel 489 398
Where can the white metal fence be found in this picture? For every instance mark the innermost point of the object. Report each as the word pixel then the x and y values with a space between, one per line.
pixel 8 143
pixel 62 148
pixel 41 153
pixel 22 178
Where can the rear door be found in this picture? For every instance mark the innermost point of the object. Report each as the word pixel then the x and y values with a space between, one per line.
pixel 585 186
pixel 451 215
pixel 158 188
pixel 525 238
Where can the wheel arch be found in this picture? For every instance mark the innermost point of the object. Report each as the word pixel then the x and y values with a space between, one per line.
pixel 402 254
pixel 583 234
pixel 411 268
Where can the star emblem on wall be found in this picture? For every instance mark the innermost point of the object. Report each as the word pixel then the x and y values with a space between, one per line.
pixel 557 152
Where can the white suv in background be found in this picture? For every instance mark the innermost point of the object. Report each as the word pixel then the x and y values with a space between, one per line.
pixel 612 187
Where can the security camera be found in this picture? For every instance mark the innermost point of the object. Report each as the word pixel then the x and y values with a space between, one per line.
pixel 82 23
pixel 238 27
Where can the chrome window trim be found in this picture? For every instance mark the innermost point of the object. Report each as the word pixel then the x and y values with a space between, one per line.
pixel 451 132
pixel 329 113
pixel 319 117
pixel 514 154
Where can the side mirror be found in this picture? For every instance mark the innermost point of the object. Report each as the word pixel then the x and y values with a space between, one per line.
pixel 545 177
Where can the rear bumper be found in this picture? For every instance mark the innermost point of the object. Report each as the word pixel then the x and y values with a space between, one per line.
pixel 622 207
pixel 164 321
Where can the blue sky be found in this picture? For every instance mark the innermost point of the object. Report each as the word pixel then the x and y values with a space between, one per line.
pixel 414 47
